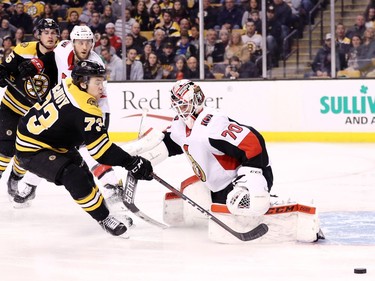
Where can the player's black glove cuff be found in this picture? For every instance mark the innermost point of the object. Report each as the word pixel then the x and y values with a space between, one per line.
pixel 3 75
pixel 141 168
pixel 27 69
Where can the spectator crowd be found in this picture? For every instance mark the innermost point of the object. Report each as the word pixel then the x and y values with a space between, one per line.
pixel 162 37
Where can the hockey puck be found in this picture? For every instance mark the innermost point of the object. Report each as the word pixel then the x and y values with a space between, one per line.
pixel 360 270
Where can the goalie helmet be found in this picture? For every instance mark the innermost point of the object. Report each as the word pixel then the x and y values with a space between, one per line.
pixel 83 70
pixel 81 32
pixel 187 100
pixel 47 24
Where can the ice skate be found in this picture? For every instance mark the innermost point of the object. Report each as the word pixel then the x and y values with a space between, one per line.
pixel 114 226
pixel 113 197
pixel 112 193
pixel 13 185
pixel 23 197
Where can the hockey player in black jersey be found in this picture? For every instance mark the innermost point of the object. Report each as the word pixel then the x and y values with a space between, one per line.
pixel 16 103
pixel 49 133
pixel 58 65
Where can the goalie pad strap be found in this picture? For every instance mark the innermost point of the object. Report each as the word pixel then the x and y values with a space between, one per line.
pixel 99 170
pixel 188 181
pixel 222 208
pixel 171 196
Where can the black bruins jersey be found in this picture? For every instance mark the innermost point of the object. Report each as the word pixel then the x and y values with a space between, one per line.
pixel 68 118
pixel 12 98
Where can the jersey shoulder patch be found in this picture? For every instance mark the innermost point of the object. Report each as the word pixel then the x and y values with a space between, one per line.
pixel 26 50
pixel 64 43
pixel 82 100
pixel 206 119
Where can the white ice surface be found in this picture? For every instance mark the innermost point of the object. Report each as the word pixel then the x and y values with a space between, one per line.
pixel 55 240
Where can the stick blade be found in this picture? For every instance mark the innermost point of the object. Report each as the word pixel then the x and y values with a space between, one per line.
pixel 128 198
pixel 253 234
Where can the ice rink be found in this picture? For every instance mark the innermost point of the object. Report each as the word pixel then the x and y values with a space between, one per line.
pixel 55 240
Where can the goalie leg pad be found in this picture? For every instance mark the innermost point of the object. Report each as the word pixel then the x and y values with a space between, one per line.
pixel 238 223
pixel 178 212
pixel 202 196
pixel 308 228
pixel 173 211
pixel 286 222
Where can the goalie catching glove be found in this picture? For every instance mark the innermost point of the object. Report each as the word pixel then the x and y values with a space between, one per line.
pixel 250 196
pixel 141 168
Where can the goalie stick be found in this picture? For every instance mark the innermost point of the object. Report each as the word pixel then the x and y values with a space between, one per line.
pixel 128 196
pixel 255 233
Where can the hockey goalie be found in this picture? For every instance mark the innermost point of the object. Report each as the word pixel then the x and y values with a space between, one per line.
pixel 233 176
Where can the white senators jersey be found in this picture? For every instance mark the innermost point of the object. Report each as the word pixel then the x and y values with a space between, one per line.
pixel 64 56
pixel 217 146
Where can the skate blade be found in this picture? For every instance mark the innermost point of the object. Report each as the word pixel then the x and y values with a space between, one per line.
pixel 21 205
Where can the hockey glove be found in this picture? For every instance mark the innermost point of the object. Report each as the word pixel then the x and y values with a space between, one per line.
pixel 3 75
pixel 141 168
pixel 249 196
pixel 30 68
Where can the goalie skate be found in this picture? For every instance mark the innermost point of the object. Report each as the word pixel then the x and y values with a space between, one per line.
pixel 114 226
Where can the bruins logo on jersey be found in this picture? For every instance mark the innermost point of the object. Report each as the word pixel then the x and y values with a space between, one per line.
pixel 42 86
pixel 24 44
pixel 92 101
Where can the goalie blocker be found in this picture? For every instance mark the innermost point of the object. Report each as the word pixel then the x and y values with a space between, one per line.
pixel 287 221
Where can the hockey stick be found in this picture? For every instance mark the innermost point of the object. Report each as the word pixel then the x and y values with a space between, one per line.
pixel 130 187
pixel 144 115
pixel 128 196
pixel 18 90
pixel 255 233
pixel 38 98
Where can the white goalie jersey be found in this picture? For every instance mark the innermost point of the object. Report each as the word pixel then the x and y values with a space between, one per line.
pixel 216 147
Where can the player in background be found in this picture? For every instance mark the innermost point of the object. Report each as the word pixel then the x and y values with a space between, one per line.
pixel 49 133
pixel 230 158
pixel 15 104
pixel 61 62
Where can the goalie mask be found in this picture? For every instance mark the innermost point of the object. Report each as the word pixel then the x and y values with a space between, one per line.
pixel 187 100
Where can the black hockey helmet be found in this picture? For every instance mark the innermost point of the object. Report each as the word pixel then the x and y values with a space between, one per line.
pixel 85 69
pixel 47 23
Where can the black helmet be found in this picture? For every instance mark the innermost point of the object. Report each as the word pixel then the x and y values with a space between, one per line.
pixel 85 69
pixel 47 23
